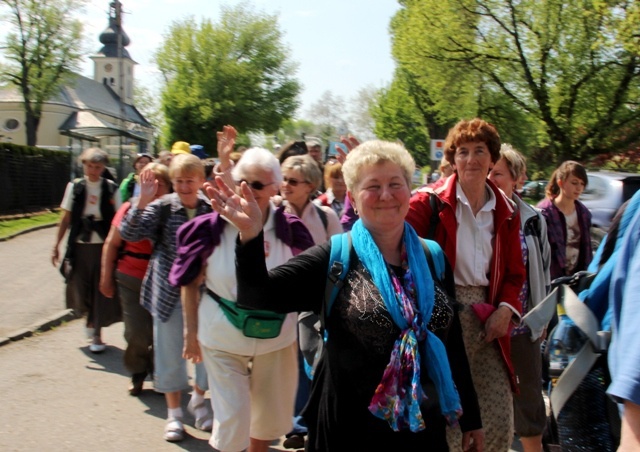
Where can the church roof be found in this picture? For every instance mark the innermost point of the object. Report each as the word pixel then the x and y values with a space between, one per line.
pixel 82 93
pixel 88 124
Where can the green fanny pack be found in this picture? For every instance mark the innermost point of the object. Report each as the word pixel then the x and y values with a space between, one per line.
pixel 254 323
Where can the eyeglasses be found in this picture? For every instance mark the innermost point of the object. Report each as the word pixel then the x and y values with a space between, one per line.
pixel 256 185
pixel 294 182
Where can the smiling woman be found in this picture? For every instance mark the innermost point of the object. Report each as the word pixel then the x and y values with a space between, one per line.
pixel 382 336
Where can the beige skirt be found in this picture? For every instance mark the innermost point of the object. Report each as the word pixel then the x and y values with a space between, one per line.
pixel 490 377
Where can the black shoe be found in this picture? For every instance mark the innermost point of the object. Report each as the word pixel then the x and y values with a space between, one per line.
pixel 294 442
pixel 137 381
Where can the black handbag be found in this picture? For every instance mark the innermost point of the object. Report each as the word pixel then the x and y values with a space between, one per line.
pixel 66 269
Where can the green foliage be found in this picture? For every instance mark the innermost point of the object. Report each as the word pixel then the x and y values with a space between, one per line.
pixel 148 104
pixel 234 72
pixel 11 227
pixel 42 50
pixel 397 118
pixel 19 151
pixel 559 78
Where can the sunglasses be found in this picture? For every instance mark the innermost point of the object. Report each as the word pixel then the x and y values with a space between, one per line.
pixel 294 182
pixel 256 185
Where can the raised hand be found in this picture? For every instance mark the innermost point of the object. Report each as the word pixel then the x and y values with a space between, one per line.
pixel 243 211
pixel 148 187
pixel 226 142
pixel 350 142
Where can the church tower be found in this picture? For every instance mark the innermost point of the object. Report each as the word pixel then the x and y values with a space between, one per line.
pixel 113 65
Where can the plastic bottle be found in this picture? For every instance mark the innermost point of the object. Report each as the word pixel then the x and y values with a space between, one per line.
pixel 565 341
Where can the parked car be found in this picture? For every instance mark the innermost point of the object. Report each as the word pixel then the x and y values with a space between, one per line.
pixel 534 189
pixel 606 192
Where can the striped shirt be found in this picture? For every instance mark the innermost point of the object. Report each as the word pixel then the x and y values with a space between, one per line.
pixel 158 296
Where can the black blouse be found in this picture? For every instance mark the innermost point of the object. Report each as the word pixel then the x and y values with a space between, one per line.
pixel 361 335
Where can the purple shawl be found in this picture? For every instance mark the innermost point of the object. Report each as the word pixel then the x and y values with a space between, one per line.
pixel 197 238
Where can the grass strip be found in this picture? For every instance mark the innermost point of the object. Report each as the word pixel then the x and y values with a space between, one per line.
pixel 15 226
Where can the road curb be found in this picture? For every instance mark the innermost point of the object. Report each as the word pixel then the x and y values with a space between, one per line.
pixel 35 228
pixel 39 327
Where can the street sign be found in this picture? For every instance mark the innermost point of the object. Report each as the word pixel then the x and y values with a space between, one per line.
pixel 437 149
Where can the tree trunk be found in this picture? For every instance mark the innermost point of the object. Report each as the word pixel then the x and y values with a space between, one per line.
pixel 32 123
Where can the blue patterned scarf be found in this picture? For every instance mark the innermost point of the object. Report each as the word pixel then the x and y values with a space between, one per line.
pixel 399 394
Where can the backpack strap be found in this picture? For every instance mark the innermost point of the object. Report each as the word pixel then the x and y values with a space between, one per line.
pixel 436 205
pixel 323 216
pixel 441 272
pixel 593 348
pixel 338 268
pixel 165 213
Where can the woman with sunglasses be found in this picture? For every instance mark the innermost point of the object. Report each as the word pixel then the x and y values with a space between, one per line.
pixel 252 380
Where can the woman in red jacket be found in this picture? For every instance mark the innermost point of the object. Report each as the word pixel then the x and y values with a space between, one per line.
pixel 479 229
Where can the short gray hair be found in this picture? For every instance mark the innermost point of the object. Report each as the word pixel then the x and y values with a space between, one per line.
pixel 260 158
pixel 94 155
pixel 307 166
pixel 515 161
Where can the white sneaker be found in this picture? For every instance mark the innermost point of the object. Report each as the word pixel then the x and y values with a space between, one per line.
pixel 173 430
pixel 204 423
pixel 97 346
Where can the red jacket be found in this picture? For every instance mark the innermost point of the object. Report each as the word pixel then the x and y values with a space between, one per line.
pixel 507 271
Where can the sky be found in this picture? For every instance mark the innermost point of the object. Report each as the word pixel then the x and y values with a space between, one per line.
pixel 340 45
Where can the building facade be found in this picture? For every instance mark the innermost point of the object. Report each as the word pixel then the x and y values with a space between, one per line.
pixel 88 112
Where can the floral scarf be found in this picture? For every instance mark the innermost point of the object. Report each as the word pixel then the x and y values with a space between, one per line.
pixel 410 303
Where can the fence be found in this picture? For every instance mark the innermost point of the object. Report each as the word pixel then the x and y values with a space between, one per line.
pixel 31 179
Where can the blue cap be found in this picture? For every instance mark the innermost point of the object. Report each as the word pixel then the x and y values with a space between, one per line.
pixel 198 151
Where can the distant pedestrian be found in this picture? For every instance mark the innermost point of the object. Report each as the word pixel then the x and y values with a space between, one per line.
pixel 88 206
pixel 165 157
pixel 180 147
pixel 129 186
pixel 336 193
pixel 292 148
pixel 568 219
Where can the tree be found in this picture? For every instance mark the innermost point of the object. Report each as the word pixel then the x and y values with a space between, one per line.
pixel 563 75
pixel 360 119
pixel 43 49
pixel 147 103
pixel 234 72
pixel 397 117
pixel 329 115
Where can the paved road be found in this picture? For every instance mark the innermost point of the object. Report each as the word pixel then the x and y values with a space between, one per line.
pixel 55 394
pixel 31 289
